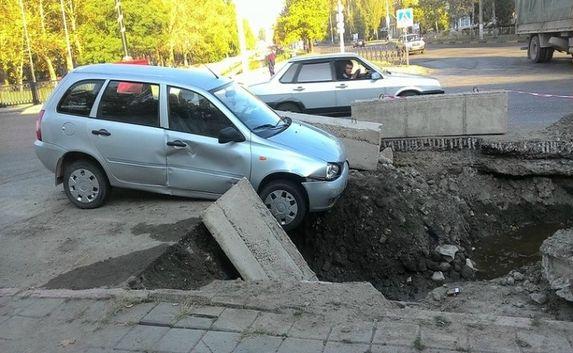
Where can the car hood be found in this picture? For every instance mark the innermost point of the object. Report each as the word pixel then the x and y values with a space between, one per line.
pixel 412 79
pixel 311 141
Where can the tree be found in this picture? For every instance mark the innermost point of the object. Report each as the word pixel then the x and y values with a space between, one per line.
pixel 302 19
pixel 372 12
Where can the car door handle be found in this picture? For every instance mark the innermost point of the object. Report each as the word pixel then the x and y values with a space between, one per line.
pixel 101 132
pixel 342 86
pixel 176 143
pixel 298 89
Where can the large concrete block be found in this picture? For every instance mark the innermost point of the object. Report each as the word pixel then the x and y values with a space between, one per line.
pixel 557 262
pixel 252 238
pixel 481 113
pixel 360 138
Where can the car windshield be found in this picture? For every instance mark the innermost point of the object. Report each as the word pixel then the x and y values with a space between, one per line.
pixel 253 112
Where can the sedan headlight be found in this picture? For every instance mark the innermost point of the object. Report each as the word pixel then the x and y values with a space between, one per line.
pixel 332 171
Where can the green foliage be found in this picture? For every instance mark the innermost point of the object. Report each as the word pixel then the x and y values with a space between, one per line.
pixel 302 19
pixel 169 32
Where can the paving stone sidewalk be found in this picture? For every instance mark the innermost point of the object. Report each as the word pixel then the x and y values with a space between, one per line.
pixel 70 323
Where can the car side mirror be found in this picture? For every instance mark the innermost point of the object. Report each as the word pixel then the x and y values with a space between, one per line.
pixel 376 76
pixel 230 134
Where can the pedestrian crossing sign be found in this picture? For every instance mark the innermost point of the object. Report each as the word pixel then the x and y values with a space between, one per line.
pixel 405 18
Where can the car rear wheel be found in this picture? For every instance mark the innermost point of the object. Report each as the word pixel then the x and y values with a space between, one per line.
pixel 286 201
pixel 289 107
pixel 85 184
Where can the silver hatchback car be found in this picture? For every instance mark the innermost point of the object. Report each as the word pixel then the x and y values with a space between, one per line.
pixel 186 133
pixel 328 84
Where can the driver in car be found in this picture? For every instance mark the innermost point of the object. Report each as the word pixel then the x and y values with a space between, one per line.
pixel 347 73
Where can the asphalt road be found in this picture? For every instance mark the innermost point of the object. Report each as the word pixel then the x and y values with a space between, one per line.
pixel 505 66
pixel 44 237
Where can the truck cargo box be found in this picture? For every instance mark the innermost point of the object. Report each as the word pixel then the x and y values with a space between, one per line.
pixel 539 16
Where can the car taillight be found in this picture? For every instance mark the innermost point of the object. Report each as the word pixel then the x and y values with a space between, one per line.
pixel 39 126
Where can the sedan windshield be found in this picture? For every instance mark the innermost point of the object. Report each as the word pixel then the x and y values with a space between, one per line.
pixel 253 112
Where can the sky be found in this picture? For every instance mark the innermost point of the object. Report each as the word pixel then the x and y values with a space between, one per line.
pixel 260 13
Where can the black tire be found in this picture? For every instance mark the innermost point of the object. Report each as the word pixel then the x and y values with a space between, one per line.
pixel 289 107
pixel 534 51
pixel 82 169
pixel 408 94
pixel 298 196
pixel 548 55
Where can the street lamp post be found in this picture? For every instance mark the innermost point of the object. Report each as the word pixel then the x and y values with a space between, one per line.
pixel 480 20
pixel 388 20
pixel 33 86
pixel 340 25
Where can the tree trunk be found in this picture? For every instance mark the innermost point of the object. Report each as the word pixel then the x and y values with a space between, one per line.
pixel 73 22
pixel 185 60
pixel 50 65
pixel 310 45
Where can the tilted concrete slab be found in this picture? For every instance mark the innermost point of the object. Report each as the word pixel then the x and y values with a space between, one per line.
pixel 459 114
pixel 252 238
pixel 360 138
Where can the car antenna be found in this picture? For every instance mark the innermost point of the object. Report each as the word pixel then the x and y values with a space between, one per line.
pixel 214 74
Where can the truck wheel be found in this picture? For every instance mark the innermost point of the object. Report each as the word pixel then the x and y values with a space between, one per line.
pixel 286 201
pixel 548 55
pixel 535 52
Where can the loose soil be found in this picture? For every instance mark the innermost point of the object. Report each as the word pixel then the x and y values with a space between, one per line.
pixel 387 225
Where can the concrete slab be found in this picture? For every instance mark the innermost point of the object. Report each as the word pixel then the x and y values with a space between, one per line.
pixel 252 238
pixel 458 114
pixel 360 138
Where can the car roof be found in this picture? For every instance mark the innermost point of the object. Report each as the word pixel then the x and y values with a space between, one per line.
pixel 201 78
pixel 324 57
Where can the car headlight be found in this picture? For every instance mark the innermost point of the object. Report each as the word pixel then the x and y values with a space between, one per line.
pixel 332 171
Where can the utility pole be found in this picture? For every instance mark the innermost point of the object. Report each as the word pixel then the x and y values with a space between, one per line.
pixel 122 29
pixel 242 42
pixel 340 25
pixel 33 86
pixel 480 20
pixel 69 60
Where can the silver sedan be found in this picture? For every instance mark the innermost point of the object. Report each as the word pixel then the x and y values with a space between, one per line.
pixel 328 84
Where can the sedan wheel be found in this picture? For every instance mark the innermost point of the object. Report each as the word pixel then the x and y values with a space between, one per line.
pixel 85 184
pixel 286 201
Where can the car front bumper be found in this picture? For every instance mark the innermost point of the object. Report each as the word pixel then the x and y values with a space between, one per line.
pixel 322 195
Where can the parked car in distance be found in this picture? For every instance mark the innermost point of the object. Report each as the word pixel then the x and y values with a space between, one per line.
pixel 186 133
pixel 328 84
pixel 414 43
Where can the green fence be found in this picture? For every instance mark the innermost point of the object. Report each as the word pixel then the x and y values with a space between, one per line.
pixel 22 94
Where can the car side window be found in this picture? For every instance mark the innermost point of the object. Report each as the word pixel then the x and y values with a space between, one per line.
pixel 192 113
pixel 130 102
pixel 288 76
pixel 315 72
pixel 360 71
pixel 80 97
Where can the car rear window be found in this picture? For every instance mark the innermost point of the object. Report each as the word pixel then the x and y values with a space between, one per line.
pixel 80 97
pixel 318 72
pixel 130 102
pixel 288 76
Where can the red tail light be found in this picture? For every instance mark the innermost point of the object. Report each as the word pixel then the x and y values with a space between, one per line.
pixel 39 126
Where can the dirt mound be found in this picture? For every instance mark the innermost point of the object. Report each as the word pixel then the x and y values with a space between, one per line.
pixel 386 227
pixel 562 129
pixel 193 262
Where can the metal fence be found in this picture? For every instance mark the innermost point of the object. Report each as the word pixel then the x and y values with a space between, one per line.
pixel 22 94
pixel 389 54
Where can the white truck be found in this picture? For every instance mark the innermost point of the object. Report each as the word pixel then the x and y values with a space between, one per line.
pixel 549 25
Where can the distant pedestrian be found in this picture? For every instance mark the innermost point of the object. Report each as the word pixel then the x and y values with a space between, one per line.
pixel 271 62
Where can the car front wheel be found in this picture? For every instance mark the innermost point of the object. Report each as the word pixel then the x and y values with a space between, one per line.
pixel 286 202
pixel 85 184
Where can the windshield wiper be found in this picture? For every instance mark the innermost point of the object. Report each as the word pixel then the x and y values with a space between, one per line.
pixel 264 126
